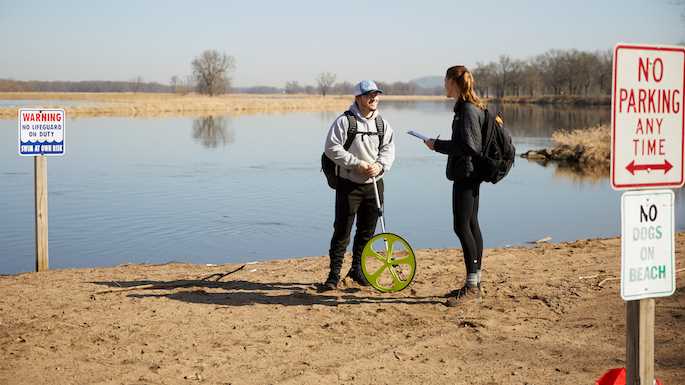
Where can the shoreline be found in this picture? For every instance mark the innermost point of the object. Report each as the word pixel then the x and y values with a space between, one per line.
pixel 525 245
pixel 145 105
pixel 550 313
pixel 150 105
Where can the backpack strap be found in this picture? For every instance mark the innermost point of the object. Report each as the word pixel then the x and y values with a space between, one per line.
pixel 351 129
pixel 380 127
pixel 488 131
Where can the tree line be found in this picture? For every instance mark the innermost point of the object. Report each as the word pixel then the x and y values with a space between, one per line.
pixel 135 85
pixel 556 72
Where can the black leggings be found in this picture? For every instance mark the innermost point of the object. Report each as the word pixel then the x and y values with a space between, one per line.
pixel 465 196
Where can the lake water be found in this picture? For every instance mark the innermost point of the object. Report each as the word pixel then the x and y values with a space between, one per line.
pixel 234 189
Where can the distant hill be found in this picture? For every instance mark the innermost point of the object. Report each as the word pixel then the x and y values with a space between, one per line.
pixel 429 81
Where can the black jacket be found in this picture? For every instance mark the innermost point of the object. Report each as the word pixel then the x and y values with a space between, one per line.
pixel 465 145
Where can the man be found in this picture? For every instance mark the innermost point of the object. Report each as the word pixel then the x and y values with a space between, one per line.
pixel 365 158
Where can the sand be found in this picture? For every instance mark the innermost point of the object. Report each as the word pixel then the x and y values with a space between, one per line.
pixel 550 314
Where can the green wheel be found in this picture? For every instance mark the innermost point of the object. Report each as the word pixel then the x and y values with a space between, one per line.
pixel 388 262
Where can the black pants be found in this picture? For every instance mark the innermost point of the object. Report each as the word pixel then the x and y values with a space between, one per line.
pixel 353 199
pixel 465 197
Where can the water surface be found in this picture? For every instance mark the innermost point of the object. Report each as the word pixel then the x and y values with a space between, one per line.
pixel 232 189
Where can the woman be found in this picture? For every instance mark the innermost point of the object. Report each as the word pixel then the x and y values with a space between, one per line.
pixel 462 152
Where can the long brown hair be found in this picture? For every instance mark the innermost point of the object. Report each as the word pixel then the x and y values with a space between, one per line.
pixel 466 84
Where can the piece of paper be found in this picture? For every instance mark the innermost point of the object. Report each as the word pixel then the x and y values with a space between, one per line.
pixel 418 135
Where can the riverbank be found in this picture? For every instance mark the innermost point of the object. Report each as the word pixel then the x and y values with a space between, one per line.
pixel 162 105
pixel 551 314
pixel 112 104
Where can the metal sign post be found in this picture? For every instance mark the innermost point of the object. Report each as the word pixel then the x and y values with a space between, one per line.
pixel 647 142
pixel 41 134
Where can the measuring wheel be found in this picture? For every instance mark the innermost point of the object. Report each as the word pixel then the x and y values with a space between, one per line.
pixel 388 262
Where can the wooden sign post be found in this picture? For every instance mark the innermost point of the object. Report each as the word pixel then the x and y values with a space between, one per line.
pixel 41 133
pixel 40 163
pixel 640 341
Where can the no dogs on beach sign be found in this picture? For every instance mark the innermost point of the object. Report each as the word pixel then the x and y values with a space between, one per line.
pixel 647 244
pixel 648 117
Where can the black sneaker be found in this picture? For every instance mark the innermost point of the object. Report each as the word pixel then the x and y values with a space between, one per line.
pixel 358 277
pixel 327 286
pixel 463 296
pixel 457 292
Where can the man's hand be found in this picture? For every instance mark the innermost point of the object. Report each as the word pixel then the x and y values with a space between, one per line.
pixel 375 169
pixel 369 170
pixel 363 167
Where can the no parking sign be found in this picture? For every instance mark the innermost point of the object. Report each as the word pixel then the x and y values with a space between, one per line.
pixel 648 117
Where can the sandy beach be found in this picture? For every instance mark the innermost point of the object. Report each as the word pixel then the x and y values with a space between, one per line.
pixel 550 314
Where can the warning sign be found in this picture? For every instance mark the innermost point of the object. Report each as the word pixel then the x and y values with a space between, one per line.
pixel 41 132
pixel 647 117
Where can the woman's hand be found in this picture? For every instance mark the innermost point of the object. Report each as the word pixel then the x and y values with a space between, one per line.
pixel 430 143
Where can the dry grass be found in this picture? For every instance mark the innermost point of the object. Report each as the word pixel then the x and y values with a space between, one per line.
pixel 594 143
pixel 156 104
pixel 581 154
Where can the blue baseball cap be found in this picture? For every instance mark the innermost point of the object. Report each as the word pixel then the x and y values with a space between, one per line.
pixel 366 86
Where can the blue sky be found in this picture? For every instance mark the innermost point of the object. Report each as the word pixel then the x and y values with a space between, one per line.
pixel 278 41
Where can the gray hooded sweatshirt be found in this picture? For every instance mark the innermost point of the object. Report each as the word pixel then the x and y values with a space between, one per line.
pixel 363 148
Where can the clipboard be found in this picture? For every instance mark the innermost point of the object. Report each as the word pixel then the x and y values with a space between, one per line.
pixel 418 135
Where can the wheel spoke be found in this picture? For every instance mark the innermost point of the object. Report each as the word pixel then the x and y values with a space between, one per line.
pixel 402 261
pixel 389 247
pixel 374 277
pixel 397 282
pixel 375 254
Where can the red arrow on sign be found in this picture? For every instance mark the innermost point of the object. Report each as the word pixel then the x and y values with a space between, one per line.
pixel 632 167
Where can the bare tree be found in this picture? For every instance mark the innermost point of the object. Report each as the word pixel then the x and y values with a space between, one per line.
pixel 325 80
pixel 553 73
pixel 211 72
pixel 174 83
pixel 293 87
pixel 136 83
pixel 530 78
pixel 606 68
pixel 504 71
pixel 485 75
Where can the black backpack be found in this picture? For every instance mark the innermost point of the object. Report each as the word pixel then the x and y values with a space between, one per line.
pixel 329 168
pixel 498 153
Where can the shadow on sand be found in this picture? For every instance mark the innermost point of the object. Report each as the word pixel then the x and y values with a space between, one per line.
pixel 241 293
